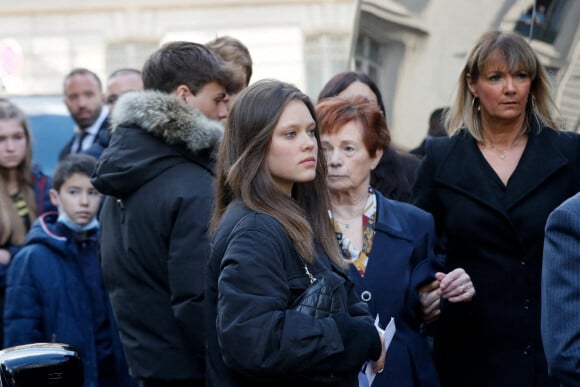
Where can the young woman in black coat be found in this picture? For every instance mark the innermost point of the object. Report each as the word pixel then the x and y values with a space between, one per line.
pixel 272 234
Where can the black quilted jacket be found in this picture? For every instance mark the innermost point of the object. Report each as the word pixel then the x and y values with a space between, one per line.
pixel 254 338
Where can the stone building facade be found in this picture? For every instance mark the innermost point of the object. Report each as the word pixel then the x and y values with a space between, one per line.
pixel 414 49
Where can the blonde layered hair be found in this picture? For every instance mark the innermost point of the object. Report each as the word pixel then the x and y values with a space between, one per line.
pixel 519 56
pixel 12 229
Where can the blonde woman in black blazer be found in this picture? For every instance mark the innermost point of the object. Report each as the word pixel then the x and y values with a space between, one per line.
pixel 490 188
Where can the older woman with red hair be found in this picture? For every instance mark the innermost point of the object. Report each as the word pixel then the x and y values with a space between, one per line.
pixel 390 244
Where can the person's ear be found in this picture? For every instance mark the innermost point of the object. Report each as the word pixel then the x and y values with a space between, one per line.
pixel 182 92
pixel 471 85
pixel 377 158
pixel 54 197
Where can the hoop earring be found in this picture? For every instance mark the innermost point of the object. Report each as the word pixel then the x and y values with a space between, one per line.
pixel 475 104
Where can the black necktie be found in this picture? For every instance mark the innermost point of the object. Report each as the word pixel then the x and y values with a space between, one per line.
pixel 80 137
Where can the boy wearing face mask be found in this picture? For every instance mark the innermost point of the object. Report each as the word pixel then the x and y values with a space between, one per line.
pixel 55 290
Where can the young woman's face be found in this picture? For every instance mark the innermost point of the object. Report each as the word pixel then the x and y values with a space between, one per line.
pixel 12 143
pixel 293 152
pixel 503 95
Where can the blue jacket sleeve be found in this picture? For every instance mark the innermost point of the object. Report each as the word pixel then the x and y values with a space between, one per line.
pixel 13 250
pixel 561 293
pixel 23 316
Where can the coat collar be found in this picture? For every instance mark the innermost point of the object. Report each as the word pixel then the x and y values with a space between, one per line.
pixel 388 220
pixel 465 169
pixel 164 116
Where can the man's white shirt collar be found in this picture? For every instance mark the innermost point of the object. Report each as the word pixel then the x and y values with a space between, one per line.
pixel 91 131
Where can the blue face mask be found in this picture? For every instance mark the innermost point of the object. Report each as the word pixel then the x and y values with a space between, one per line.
pixel 71 224
pixel 75 227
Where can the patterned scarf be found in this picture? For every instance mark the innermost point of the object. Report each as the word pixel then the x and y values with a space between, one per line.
pixel 359 258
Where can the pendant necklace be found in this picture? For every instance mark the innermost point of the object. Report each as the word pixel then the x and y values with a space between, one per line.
pixel 502 153
pixel 346 225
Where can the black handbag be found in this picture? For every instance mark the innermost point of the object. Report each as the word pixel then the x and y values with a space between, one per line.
pixel 319 299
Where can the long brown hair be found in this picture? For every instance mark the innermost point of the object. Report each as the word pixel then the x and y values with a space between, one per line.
pixel 12 227
pixel 242 173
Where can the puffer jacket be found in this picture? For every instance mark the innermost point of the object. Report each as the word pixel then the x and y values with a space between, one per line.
pixel 47 299
pixel 158 175
pixel 255 338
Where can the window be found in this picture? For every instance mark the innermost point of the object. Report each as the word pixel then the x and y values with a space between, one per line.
pixel 325 56
pixel 544 22
pixel 367 56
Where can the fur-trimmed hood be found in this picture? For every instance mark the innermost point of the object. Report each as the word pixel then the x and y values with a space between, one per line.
pixel 153 131
pixel 164 116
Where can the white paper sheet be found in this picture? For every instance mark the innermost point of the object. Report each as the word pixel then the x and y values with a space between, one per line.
pixel 389 332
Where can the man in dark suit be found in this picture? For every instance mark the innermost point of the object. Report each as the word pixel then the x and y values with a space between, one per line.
pixel 84 99
pixel 561 292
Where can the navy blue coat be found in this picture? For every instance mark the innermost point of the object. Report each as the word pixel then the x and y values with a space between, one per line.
pixel 496 233
pixel 401 260
pixel 47 300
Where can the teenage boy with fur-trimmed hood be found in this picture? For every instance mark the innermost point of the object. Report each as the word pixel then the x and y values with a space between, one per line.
pixel 158 175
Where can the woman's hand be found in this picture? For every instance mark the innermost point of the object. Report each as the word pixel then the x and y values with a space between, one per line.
pixel 456 286
pixel 5 256
pixel 429 296
pixel 379 364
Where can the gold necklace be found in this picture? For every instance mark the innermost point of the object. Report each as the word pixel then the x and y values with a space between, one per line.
pixel 502 153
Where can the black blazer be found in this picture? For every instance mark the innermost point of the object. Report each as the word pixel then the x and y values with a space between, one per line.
pixel 496 234
pixel 102 139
